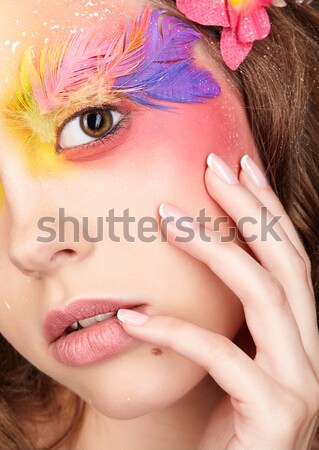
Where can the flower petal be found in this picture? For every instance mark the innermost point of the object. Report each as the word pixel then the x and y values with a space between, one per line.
pixel 253 25
pixel 233 51
pixel 233 14
pixel 205 12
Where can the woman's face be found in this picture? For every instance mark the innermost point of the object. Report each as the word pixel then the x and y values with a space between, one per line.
pixel 157 156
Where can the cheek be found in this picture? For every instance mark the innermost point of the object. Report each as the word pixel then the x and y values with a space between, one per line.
pixel 172 147
pixel 191 133
pixel 163 159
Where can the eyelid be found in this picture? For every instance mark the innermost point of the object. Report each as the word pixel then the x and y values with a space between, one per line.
pixel 96 149
pixel 79 112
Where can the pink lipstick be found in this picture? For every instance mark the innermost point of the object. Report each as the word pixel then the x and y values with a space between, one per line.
pixel 85 331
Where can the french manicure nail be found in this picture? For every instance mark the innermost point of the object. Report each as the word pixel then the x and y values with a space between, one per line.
pixel 131 317
pixel 255 174
pixel 167 210
pixel 221 169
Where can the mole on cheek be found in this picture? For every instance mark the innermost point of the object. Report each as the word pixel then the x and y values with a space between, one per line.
pixel 156 351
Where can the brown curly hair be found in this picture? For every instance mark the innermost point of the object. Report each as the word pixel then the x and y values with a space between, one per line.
pixel 279 84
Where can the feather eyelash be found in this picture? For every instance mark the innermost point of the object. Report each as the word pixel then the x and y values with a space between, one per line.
pixel 148 61
pixel 66 68
pixel 167 71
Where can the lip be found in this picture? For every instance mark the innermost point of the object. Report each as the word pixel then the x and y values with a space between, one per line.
pixel 56 321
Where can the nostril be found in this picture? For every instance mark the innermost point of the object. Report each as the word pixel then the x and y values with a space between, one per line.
pixel 68 250
pixel 63 254
pixel 34 258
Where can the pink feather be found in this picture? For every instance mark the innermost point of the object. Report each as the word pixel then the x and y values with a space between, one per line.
pixel 66 67
pixel 126 52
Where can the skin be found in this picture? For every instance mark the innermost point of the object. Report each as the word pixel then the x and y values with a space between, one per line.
pixel 166 393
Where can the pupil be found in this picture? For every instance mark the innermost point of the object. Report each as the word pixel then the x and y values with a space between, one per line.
pixel 95 121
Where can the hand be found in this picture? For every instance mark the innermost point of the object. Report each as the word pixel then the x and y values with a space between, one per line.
pixel 273 399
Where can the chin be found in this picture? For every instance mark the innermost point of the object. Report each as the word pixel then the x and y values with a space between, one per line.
pixel 133 390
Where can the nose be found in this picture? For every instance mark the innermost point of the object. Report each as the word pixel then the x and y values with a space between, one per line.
pixel 38 258
pixel 29 246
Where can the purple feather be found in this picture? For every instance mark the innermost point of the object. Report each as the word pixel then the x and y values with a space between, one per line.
pixel 167 71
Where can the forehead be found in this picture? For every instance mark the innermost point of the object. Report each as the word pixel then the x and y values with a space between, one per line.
pixel 38 22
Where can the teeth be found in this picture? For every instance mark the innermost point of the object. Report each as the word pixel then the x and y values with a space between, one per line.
pixel 101 317
pixel 87 322
pixel 91 320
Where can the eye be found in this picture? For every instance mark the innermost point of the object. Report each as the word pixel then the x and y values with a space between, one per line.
pixel 89 126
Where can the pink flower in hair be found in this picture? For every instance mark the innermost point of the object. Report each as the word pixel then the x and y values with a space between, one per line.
pixel 243 22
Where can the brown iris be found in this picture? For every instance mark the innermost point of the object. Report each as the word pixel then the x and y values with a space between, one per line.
pixel 97 122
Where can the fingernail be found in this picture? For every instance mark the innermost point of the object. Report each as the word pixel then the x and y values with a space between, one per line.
pixel 222 169
pixel 255 174
pixel 167 210
pixel 131 317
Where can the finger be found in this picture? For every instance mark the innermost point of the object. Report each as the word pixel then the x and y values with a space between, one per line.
pixel 268 198
pixel 268 314
pixel 230 367
pixel 251 176
pixel 262 231
pixel 275 251
pixel 256 398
